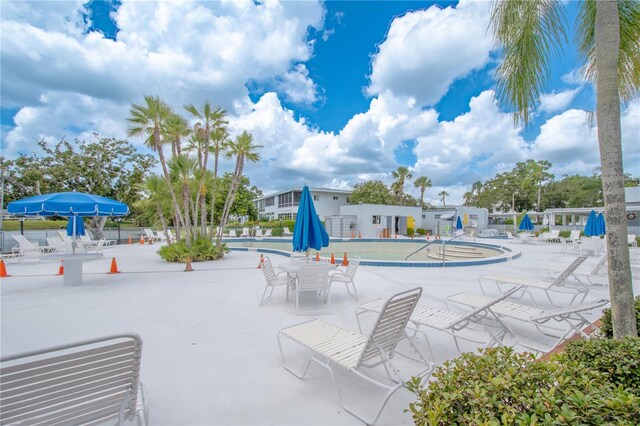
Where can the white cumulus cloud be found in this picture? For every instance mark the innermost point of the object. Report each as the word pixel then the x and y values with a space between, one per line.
pixel 554 102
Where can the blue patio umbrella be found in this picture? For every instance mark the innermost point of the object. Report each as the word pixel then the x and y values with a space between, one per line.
pixel 308 231
pixel 75 226
pixel 525 223
pixel 601 227
pixel 68 204
pixel 590 227
pixel 459 223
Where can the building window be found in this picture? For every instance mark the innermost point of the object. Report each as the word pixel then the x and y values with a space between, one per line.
pixel 473 216
pixel 335 197
pixel 284 216
pixel 269 201
pixel 296 197
pixel 348 200
pixel 316 198
pixel 376 220
pixel 285 200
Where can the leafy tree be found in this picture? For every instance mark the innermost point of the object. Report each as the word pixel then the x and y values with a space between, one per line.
pixel 423 183
pixel 243 202
pixel 108 167
pixel 371 192
pixel 607 34
pixel 401 175
pixel 443 195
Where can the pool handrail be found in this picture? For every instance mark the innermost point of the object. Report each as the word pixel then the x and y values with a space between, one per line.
pixel 432 242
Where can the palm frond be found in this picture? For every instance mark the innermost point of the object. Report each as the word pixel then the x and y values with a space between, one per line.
pixel 528 32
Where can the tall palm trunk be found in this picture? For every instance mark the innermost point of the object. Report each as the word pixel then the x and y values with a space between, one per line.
pixel 163 221
pixel 235 183
pixel 607 46
pixel 165 171
pixel 213 191
pixel 422 199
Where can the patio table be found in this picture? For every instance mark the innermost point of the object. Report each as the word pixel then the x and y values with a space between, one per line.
pixel 72 265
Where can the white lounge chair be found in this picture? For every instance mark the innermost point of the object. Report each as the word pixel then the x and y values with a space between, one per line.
pixel 56 245
pixel 552 237
pixel 592 278
pixel 631 240
pixel 26 249
pixel 557 285
pixel 572 316
pixel 149 234
pixel 574 236
pixel 312 285
pixel 90 382
pixel 232 233
pixel 334 347
pixel 245 233
pixel 347 276
pixel 273 280
pixel 258 233
pixel 286 232
pixel 267 233
pixel 458 325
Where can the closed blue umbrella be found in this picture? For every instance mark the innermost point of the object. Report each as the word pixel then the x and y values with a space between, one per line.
pixel 75 226
pixel 526 224
pixel 308 231
pixel 459 223
pixel 601 227
pixel 590 227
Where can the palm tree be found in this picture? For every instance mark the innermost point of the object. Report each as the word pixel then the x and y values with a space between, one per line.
pixel 148 120
pixel 220 140
pixel 183 168
pixel 244 150
pixel 209 119
pixel 155 187
pixel 400 175
pixel 174 129
pixel 423 183
pixel 607 35
pixel 443 195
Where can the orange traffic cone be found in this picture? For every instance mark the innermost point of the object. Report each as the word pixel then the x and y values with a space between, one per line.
pixel 150 240
pixel 360 235
pixel 130 241
pixel 61 268
pixel 3 270
pixel 114 267
pixel 345 262
pixel 260 261
pixel 353 235
pixel 333 260
pixel 141 240
pixel 188 268
pixel 317 257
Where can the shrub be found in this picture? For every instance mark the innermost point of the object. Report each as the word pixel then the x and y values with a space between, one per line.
pixel 607 327
pixel 201 249
pixel 409 232
pixel 421 231
pixel 565 234
pixel 619 360
pixel 501 386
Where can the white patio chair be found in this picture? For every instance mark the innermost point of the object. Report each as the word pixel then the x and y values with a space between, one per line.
pixel 575 235
pixel 553 236
pixel 268 232
pixel 334 347
pixel 286 232
pixel 510 236
pixel 460 326
pixel 631 240
pixel 591 278
pixel 149 234
pixel 56 245
pixel 571 316
pixel 557 285
pixel 273 280
pixel 172 238
pixel 313 287
pixel 346 277
pixel 245 233
pixel 258 233
pixel 232 233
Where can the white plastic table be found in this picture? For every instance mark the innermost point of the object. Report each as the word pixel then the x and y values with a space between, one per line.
pixel 72 265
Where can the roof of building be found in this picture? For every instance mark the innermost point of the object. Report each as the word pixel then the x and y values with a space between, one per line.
pixel 327 190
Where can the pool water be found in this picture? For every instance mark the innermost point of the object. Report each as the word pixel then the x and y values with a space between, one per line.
pixel 390 250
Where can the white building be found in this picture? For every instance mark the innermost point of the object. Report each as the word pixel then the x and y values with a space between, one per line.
pixel 441 220
pixel 372 221
pixel 284 204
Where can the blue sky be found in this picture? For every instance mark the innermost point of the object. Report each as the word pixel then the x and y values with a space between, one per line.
pixel 337 92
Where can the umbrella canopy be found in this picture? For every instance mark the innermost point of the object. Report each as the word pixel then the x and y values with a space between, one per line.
pixel 601 227
pixel 525 223
pixel 75 226
pixel 308 231
pixel 590 227
pixel 459 223
pixel 68 204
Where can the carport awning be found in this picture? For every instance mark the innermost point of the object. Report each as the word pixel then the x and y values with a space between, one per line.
pixel 447 216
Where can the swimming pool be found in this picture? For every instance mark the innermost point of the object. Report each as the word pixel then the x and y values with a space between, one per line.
pixel 377 252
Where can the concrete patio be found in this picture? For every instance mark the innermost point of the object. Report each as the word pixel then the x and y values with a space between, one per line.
pixel 210 354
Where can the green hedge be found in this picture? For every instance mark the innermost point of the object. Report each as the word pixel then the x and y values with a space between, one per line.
pixel 201 249
pixel 421 231
pixel 500 386
pixel 619 360
pixel 607 328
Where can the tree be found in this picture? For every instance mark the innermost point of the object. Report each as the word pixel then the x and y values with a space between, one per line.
pixel 443 195
pixel 243 202
pixel 607 35
pixel 371 192
pixel 148 120
pixel 423 183
pixel 106 166
pixel 244 150
pixel 155 189
pixel 400 175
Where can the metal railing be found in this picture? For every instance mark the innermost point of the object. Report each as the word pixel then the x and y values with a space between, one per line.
pixel 442 241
